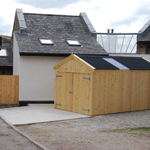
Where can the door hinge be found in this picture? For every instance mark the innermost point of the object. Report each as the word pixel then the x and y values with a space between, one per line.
pixel 58 76
pixel 58 104
pixel 86 110
pixel 86 78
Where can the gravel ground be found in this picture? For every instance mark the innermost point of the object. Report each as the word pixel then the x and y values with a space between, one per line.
pixel 104 132
pixel 11 140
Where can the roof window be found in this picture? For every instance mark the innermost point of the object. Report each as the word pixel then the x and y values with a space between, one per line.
pixel 73 42
pixel 46 42
pixel 3 52
pixel 116 63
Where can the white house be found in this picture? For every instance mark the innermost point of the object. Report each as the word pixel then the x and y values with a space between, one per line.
pixel 41 41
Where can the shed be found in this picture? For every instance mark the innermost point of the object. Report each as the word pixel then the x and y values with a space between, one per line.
pixel 94 85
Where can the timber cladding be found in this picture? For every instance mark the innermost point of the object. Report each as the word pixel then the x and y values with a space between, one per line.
pixel 9 89
pixel 83 89
pixel 120 91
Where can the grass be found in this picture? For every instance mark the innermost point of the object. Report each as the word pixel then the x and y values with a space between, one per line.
pixel 127 129
pixel 6 38
pixel 140 128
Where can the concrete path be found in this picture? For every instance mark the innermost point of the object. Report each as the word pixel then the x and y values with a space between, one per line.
pixel 35 113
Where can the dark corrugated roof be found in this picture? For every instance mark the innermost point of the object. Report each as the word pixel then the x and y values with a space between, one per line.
pixel 133 63
pixel 58 28
pixel 7 61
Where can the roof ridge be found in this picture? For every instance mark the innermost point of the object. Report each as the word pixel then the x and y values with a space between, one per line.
pixel 50 15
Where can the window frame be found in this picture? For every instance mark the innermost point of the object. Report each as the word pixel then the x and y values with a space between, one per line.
pixel 6 52
pixel 67 40
pixel 52 43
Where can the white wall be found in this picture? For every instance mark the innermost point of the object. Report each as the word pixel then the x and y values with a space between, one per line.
pixel 16 58
pixel 36 76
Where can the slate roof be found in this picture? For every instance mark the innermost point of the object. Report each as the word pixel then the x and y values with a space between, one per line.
pixel 145 39
pixel 145 34
pixel 58 28
pixel 6 61
pixel 133 63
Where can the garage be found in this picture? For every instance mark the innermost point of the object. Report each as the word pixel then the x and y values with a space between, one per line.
pixel 93 84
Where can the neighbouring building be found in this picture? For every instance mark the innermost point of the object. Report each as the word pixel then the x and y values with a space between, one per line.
pixel 6 59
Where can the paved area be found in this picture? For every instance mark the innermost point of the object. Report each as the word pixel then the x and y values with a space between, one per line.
pixel 36 113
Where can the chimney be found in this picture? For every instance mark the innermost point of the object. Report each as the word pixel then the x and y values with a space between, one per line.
pixel 110 30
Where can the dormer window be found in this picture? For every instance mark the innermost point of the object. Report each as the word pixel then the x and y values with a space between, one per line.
pixel 73 42
pixel 3 52
pixel 46 41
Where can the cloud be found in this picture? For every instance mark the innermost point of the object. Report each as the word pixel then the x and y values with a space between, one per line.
pixel 46 4
pixel 141 14
pixel 5 28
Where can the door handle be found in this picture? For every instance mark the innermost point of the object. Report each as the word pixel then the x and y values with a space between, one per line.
pixel 70 92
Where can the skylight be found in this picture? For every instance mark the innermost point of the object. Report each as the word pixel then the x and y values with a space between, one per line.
pixel 116 63
pixel 73 42
pixel 3 52
pixel 46 41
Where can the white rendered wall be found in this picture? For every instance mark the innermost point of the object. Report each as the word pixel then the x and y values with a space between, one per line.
pixel 16 58
pixel 36 76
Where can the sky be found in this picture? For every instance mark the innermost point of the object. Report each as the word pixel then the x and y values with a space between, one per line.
pixel 124 16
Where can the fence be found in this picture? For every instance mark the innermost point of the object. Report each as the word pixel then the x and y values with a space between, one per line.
pixel 9 89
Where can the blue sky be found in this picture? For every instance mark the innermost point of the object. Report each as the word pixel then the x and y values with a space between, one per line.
pixel 121 15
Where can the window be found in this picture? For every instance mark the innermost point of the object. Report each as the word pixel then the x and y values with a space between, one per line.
pixel 116 63
pixel 148 49
pixel 3 52
pixel 46 42
pixel 73 42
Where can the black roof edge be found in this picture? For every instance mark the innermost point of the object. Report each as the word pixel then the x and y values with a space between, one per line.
pixel 6 67
pixel 56 54
pixel 43 54
pixel 92 54
pixel 143 42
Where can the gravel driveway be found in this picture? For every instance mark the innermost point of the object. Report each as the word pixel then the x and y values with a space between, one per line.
pixel 96 133
pixel 12 140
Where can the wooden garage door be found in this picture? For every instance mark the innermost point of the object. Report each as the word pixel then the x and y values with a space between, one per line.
pixel 72 92
pixel 63 86
pixel 81 93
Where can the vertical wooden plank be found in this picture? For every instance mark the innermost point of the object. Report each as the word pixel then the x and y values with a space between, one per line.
pixel 112 89
pixel 144 90
pixel 135 90
pixel 102 84
pixel 106 92
pixel 4 91
pixel 69 88
pixel 76 94
pixel 126 90
pixel 96 93
pixel 91 93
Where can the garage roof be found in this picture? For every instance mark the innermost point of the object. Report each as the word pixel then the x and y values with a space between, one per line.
pixel 100 62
